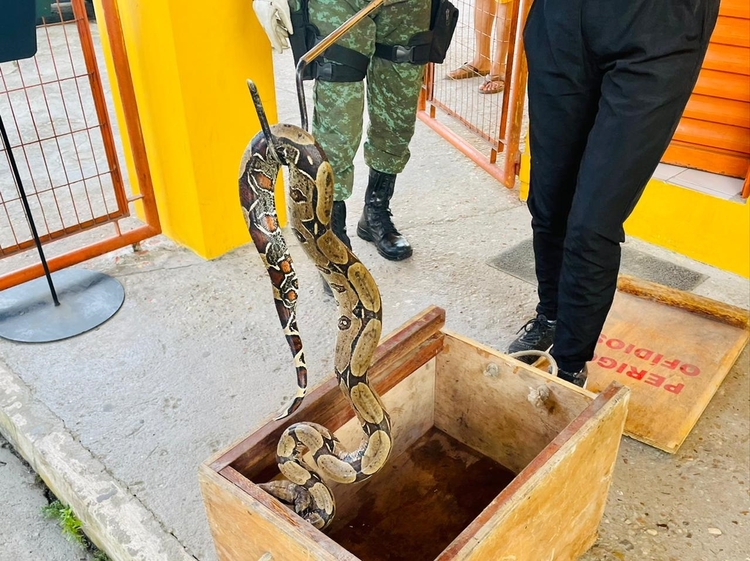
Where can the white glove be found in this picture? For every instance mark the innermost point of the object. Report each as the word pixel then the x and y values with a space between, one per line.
pixel 274 16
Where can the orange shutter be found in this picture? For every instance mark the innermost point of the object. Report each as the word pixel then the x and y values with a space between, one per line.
pixel 714 133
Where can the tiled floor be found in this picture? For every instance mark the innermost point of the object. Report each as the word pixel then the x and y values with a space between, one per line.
pixel 728 188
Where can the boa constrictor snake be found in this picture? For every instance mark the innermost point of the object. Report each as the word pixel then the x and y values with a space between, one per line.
pixel 308 454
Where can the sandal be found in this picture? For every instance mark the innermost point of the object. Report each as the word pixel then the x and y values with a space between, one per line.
pixel 493 84
pixel 466 70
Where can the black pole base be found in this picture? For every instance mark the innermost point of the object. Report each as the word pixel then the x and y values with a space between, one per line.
pixel 87 300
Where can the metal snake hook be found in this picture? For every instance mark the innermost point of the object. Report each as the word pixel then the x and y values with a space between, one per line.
pixel 320 48
pixel 263 119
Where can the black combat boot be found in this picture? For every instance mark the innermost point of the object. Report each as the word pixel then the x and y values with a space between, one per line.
pixel 338 222
pixel 338 225
pixel 376 225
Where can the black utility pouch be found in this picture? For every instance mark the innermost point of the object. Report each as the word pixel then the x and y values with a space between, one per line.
pixel 444 21
pixel 426 46
pixel 303 38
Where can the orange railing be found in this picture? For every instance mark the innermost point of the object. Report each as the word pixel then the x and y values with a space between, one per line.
pixel 63 141
pixel 482 126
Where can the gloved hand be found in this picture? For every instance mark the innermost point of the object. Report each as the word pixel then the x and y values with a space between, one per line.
pixel 276 21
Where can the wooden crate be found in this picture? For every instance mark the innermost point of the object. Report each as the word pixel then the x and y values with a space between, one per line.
pixel 493 460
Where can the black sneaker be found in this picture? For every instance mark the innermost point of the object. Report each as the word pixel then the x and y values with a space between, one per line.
pixel 577 378
pixel 538 335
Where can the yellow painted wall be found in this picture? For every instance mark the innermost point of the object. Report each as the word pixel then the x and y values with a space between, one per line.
pixel 190 61
pixel 699 226
pixel 524 174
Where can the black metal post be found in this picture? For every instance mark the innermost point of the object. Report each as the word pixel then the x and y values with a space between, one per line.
pixel 29 217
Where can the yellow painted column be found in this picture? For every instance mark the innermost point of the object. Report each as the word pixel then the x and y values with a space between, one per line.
pixel 190 61
pixel 524 174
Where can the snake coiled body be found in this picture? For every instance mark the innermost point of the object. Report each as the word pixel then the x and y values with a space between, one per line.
pixel 359 319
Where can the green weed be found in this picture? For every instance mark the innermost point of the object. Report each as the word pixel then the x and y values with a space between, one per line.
pixel 70 526
pixel 69 523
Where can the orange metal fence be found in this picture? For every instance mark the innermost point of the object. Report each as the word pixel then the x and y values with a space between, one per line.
pixel 482 122
pixel 58 119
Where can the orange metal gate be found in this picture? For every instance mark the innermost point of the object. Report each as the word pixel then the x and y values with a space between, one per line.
pixel 482 125
pixel 58 119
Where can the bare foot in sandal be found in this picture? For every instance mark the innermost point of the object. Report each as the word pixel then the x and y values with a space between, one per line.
pixel 466 70
pixel 492 84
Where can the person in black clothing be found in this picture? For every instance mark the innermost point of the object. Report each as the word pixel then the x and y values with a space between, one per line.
pixel 608 82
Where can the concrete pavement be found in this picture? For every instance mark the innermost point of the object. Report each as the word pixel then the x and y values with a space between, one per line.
pixel 26 535
pixel 195 359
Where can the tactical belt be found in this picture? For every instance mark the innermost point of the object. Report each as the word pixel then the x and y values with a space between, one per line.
pixel 341 64
pixel 426 46
pixel 416 52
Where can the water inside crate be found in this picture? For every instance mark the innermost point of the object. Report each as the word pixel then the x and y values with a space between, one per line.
pixel 419 502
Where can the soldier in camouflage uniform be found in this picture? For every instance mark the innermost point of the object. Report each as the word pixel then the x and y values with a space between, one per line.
pixel 392 90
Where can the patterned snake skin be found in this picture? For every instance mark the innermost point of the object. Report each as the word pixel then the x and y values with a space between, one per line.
pixel 359 323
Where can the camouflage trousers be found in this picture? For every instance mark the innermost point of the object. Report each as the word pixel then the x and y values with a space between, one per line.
pixel 392 89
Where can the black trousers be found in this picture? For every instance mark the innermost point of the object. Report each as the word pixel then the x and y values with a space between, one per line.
pixel 608 82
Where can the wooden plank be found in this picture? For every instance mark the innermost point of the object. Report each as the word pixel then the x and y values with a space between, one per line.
pixel 746 185
pixel 731 31
pixel 728 58
pixel 731 164
pixel 398 355
pixel 402 342
pixel 552 509
pixel 491 402
pixel 713 135
pixel 576 426
pixel 246 523
pixel 693 303
pixel 717 110
pixel 672 358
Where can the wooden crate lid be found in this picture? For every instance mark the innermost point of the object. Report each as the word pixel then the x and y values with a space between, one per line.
pixel 673 349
